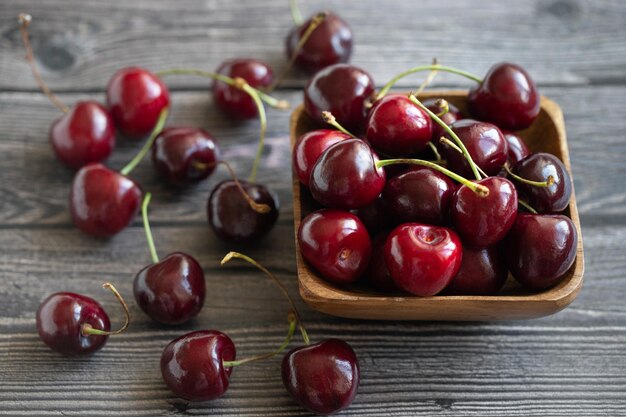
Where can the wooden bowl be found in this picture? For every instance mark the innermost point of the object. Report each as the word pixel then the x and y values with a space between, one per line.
pixel 513 302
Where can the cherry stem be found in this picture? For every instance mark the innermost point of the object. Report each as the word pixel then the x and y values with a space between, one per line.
pixel 441 68
pixel 526 206
pixel 450 132
pixel 330 119
pixel 443 106
pixel 434 150
pixel 258 207
pixel 293 321
pixel 146 147
pixel 24 20
pixel 283 289
pixel 87 329
pixel 452 145
pixel 146 227
pixel 295 12
pixel 429 79
pixel 479 189
pixel 548 182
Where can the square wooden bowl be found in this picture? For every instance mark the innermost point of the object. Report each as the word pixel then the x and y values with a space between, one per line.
pixel 513 302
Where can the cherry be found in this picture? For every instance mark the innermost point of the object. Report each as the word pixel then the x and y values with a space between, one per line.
pixel 309 147
pixel 345 176
pixel 322 377
pixel 232 100
pixel 483 272
pixel 450 116
pixel 185 154
pixel 136 98
pixel 540 249
pixel 377 273
pixel 419 195
pixel 507 97
pixel 341 89
pixel 422 259
pixel 374 216
pixel 540 167
pixel 518 149
pixel 395 126
pixel 193 368
pixel 481 220
pixel 336 243
pixel 73 324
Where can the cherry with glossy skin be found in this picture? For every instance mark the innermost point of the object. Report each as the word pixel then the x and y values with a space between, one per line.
pixel 233 101
pixel 518 149
pixel 322 377
pixel 336 243
pixel 377 274
pixel 452 115
pixel 507 97
pixel 185 155
pixel 192 365
pixel 342 90
pixel 483 272
pixel 345 176
pixel 540 249
pixel 483 221
pixel 422 259
pixel 374 216
pixel 397 127
pixel 136 98
pixel 308 149
pixel 538 167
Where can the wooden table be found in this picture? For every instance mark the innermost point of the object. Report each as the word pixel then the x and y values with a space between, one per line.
pixel 573 363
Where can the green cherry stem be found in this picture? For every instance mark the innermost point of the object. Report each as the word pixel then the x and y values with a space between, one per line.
pixel 295 12
pixel 443 106
pixel 440 68
pixel 330 119
pixel 548 182
pixel 451 144
pixel 146 227
pixel 434 150
pixel 87 329
pixel 429 79
pixel 148 145
pixel 263 121
pixel 526 206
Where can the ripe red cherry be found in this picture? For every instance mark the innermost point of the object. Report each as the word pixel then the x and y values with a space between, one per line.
pixel 185 155
pixel 377 274
pixel 395 126
pixel 83 135
pixel 341 89
pixel 448 118
pixel 345 176
pixel 517 147
pixel 419 195
pixel 136 98
pixel 336 243
pixel 103 201
pixel 322 377
pixel 483 272
pixel 172 290
pixel 482 221
pixel 233 101
pixel 309 147
pixel 231 217
pixel 422 259
pixel 374 216
pixel 192 365
pixel 61 319
pixel 538 167
pixel 485 144
pixel 540 249
pixel 507 97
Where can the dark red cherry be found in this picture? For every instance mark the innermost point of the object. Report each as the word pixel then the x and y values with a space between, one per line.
pixel 422 259
pixel 231 217
pixel 517 147
pixel 374 216
pixel 538 167
pixel 103 201
pixel 377 274
pixel 483 221
pixel 483 272
pixel 448 118
pixel 485 144
pixel 309 147
pixel 397 127
pixel 330 43
pixel 185 155
pixel 171 291
pixel 507 97
pixel 136 98
pixel 341 89
pixel 322 377
pixel 192 365
pixel 345 176
pixel 233 101
pixel 420 195
pixel 336 243
pixel 540 248
pixel 60 321
pixel 82 135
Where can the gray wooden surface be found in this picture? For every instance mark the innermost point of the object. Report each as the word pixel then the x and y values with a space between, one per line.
pixel 573 363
